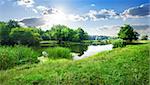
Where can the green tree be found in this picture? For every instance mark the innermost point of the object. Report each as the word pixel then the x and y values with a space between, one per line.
pixel 25 36
pixel 81 34
pixel 13 24
pixel 59 32
pixel 5 29
pixel 3 32
pixel 64 33
pixel 45 36
pixel 144 37
pixel 127 33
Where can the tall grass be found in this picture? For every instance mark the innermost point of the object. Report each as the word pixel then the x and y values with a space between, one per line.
pixel 118 43
pixel 12 56
pixel 121 66
pixel 59 52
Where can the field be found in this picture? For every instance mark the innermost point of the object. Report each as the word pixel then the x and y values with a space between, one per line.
pixel 121 66
pixel 74 42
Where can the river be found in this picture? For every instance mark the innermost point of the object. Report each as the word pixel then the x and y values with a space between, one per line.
pixel 91 50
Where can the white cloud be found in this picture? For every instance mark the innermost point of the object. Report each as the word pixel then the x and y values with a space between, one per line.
pixel 137 12
pixel 109 30
pixel 34 10
pixel 77 18
pixel 26 3
pixel 42 8
pixel 58 15
pixel 102 14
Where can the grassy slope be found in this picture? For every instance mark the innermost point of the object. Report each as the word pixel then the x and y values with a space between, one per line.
pixel 121 66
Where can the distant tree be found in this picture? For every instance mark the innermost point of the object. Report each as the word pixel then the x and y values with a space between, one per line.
pixel 64 33
pixel 127 33
pixel 45 36
pixel 136 35
pixel 25 36
pixel 81 34
pixel 144 37
pixel 13 24
pixel 56 32
pixel 5 29
pixel 3 32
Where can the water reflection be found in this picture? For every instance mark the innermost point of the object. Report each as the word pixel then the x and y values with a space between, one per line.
pixel 80 50
pixel 93 50
pixel 77 48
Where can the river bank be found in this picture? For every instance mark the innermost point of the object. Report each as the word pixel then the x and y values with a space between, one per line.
pixel 128 65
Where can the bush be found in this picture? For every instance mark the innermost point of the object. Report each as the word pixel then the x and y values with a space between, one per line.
pixel 17 55
pixel 118 43
pixel 58 52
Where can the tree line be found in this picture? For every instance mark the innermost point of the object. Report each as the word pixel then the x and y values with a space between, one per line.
pixel 12 33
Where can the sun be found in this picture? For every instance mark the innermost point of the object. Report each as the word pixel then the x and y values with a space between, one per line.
pixel 57 17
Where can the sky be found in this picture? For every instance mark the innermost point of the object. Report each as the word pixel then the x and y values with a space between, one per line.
pixel 97 17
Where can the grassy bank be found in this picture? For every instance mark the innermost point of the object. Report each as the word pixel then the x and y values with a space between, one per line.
pixel 17 55
pixel 121 66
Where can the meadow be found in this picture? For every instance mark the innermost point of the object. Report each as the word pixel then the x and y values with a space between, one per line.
pixel 74 42
pixel 121 66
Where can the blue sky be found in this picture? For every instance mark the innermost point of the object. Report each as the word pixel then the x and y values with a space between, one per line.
pixel 97 17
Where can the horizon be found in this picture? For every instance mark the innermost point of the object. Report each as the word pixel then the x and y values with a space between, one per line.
pixel 95 17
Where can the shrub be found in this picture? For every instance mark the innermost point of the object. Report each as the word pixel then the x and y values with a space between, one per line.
pixel 118 43
pixel 58 52
pixel 17 55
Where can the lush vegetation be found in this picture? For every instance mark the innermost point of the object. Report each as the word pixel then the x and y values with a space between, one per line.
pixel 128 33
pixel 25 36
pixel 5 29
pixel 64 33
pixel 118 43
pixel 58 52
pixel 144 37
pixel 17 55
pixel 121 66
pixel 12 33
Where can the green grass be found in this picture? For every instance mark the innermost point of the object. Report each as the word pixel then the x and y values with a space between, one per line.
pixel 58 52
pixel 17 55
pixel 118 43
pixel 121 66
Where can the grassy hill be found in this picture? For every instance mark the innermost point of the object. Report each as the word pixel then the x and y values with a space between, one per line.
pixel 121 66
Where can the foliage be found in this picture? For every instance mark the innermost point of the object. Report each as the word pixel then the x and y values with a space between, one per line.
pixel 144 37
pixel 64 33
pixel 5 29
pixel 12 56
pixel 13 24
pixel 12 33
pixel 81 34
pixel 121 66
pixel 118 43
pixel 25 36
pixel 58 52
pixel 45 36
pixel 59 32
pixel 127 33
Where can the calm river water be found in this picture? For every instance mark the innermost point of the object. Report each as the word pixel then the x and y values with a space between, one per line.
pixel 81 51
pixel 91 50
